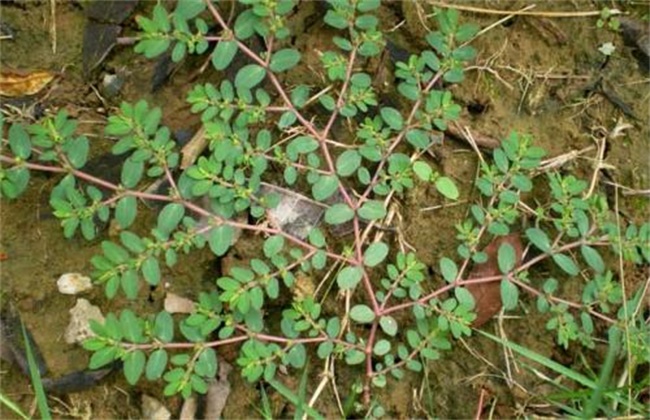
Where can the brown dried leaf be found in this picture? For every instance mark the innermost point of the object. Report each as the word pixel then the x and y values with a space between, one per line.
pixel 16 84
pixel 488 295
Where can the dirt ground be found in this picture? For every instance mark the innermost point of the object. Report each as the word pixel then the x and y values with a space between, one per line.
pixel 532 74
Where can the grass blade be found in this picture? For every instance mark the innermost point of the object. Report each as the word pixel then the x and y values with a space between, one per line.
pixel 41 398
pixel 295 399
pixel 4 400
pixel 593 404
pixel 613 394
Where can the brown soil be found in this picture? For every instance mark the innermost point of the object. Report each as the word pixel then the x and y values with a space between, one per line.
pixel 530 76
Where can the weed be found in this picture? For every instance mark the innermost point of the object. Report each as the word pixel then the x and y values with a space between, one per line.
pixel 395 317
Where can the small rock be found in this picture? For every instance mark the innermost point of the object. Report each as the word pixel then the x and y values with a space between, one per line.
pixel 112 84
pixel 218 392
pixel 188 411
pixel 79 328
pixel 175 304
pixel 153 409
pixel 73 283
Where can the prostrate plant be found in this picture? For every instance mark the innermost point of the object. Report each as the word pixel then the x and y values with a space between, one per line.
pixel 255 126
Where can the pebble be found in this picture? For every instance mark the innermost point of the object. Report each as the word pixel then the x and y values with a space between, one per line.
pixel 175 304
pixel 153 409
pixel 73 283
pixel 80 315
pixel 112 84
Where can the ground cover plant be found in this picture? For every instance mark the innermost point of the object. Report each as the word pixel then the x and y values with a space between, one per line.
pixel 377 308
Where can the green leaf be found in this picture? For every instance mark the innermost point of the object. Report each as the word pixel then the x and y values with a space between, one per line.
pixel 316 238
pixel 381 347
pixel 156 364
pixel 287 119
pixel 362 314
pixel 538 238
pixel 249 76
pixel 102 357
pixel 131 241
pixel 134 366
pixel 77 151
pixel 333 327
pixel 19 142
pixel 506 258
pixel 366 22
pixel 114 252
pixel 223 54
pixel 328 102
pixel 372 210
pixel 126 210
pixel 375 254
pixel 129 283
pixel 455 75
pixel 131 326
pixel 335 19
pixel 189 9
pixel 169 217
pixel 221 239
pixel 325 187
pixel 342 43
pixel 132 171
pixel 179 51
pixel 207 364
pixel 297 356
pixel 392 117
pixel 338 214
pixel 152 48
pixel 290 175
pixel 509 294
pixel 388 325
pixel 301 145
pixel 447 187
pixel 418 138
pixel 284 59
pixel 325 349
pixel 448 269
pixel 593 258
pixel 431 60
pixel 273 245
pixel 163 327
pixel 422 170
pixel 151 271
pixel 566 263
pixel 245 24
pixel 354 357
pixel 349 277
pixel 464 297
pixel 368 5
pixel 348 162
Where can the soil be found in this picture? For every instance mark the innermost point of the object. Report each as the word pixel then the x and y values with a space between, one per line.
pixel 531 75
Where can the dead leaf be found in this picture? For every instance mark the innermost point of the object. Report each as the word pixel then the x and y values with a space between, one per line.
pixel 16 84
pixel 488 295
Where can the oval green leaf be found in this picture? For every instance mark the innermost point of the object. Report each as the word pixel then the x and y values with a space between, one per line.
pixel 375 254
pixel 362 314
